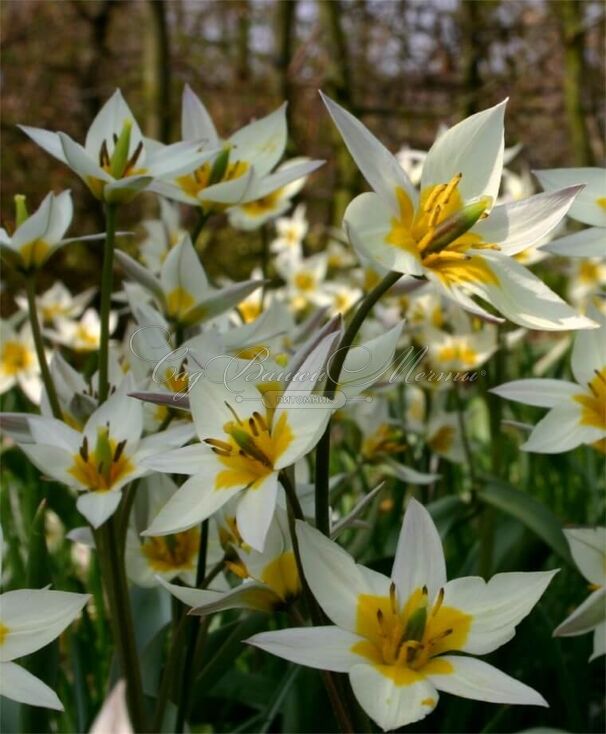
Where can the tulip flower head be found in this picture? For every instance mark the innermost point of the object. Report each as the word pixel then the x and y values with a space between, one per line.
pixel 116 162
pixel 395 636
pixel 450 233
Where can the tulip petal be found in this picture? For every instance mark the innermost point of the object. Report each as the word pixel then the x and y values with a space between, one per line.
pixel 378 166
pixel 561 430
pixel 20 685
pixel 589 242
pixel 496 607
pixel 474 147
pixel 196 123
pixel 333 576
pixel 589 350
pixel 97 507
pixel 419 559
pixel 586 617
pixel 140 274
pixel 47 140
pixel 256 509
pixel 81 162
pixel 588 548
pixel 543 393
pixel 587 207
pixel 324 648
pixel 521 296
pixel 367 363
pixel 480 681
pixel 195 500
pixel 110 121
pixel 391 705
pixel 369 223
pixel 34 617
pixel 262 142
pixel 521 224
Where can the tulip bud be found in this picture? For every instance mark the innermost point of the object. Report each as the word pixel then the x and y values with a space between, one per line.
pixel 219 167
pixel 119 157
pixel 20 210
pixel 103 452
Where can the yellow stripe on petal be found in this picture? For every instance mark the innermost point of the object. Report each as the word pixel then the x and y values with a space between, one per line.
pixel 4 630
pixel 282 577
pixel 454 271
pixel 601 201
pixel 34 253
pixel 178 302
pixel 400 234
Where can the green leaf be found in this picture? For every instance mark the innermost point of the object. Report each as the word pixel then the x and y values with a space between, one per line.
pixel 530 512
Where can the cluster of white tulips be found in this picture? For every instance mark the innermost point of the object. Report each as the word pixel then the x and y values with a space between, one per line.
pixel 196 441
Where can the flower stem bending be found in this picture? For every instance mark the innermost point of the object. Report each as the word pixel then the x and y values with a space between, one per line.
pixel 323 448
pixel 49 385
pixel 106 295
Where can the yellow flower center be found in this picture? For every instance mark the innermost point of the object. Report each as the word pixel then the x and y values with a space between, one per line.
pixel 405 642
pixel 250 310
pixel 178 552
pixel 34 253
pixel 385 440
pixel 458 352
pixel 4 630
pixel 589 272
pixel 178 302
pixel 250 449
pixel 426 234
pixel 282 577
pixel 15 358
pixel 593 402
pixel 85 338
pixel 194 183
pixel 262 206
pixel 601 201
pixel 442 439
pixel 304 281
pixel 100 469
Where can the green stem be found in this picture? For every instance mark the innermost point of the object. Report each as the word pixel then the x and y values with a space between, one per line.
pixel 49 386
pixel 106 296
pixel 464 436
pixel 330 682
pixel 122 621
pixel 334 372
pixel 192 635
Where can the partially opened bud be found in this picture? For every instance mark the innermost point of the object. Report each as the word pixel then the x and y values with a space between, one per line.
pixel 20 210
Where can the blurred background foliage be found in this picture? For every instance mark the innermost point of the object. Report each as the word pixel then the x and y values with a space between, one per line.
pixel 402 66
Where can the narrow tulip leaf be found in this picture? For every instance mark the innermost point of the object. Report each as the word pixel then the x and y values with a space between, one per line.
pixel 530 512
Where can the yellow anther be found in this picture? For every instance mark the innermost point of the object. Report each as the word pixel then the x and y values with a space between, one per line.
pixel 393 598
pixel 426 239
pixel 450 187
pixel 432 198
pixel 435 215
pixel 438 603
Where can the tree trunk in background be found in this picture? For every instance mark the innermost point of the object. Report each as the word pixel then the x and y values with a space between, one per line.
pixel 570 16
pixel 471 55
pixel 156 71
pixel 338 86
pixel 286 12
pixel 242 43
